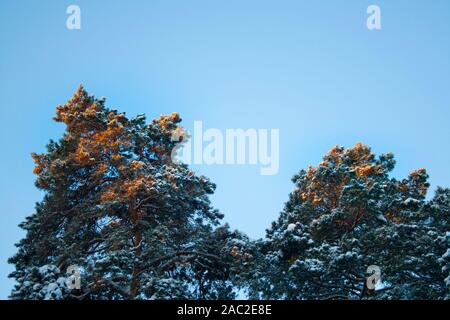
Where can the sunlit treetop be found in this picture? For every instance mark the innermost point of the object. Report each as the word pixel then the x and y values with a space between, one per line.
pixel 351 185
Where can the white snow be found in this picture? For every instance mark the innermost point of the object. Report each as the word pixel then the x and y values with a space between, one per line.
pixel 411 201
pixel 446 254
pixel 381 217
pixel 291 227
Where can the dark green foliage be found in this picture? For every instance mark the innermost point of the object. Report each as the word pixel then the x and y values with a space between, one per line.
pixel 346 215
pixel 137 224
pixel 140 226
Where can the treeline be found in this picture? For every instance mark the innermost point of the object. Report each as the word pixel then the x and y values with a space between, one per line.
pixel 129 223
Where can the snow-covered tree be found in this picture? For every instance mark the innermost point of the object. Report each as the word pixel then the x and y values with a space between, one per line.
pixel 439 209
pixel 137 224
pixel 46 282
pixel 345 215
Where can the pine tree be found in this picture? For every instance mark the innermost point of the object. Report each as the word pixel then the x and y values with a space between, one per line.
pixel 439 209
pixel 345 215
pixel 137 224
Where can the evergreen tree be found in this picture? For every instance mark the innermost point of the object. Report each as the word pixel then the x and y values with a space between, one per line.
pixel 345 215
pixel 137 224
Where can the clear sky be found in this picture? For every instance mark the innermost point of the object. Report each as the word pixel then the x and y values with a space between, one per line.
pixel 308 68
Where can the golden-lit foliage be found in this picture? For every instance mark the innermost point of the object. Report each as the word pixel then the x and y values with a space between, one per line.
pixel 40 161
pixel 322 186
pixel 100 142
pixel 166 122
pixel 416 181
pixel 325 193
pixel 80 105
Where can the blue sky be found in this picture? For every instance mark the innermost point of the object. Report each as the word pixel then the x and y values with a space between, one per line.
pixel 308 68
